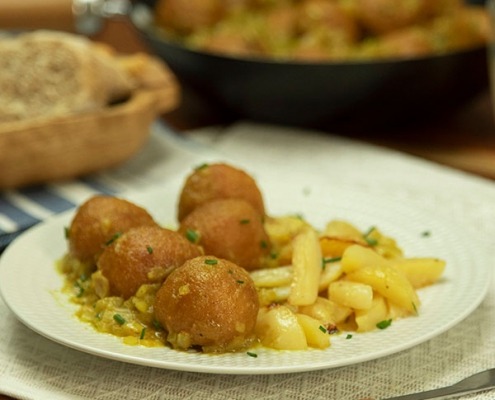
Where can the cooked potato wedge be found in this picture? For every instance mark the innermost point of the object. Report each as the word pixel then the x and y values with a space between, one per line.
pixel 278 328
pixel 307 264
pixel 390 283
pixel 421 271
pixel 351 294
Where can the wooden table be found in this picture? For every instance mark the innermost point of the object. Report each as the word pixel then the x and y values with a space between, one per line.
pixel 463 140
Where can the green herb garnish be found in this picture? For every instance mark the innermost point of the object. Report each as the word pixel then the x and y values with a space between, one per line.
pixel 371 241
pixel 384 324
pixel 323 329
pixel 192 236
pixel 113 238
pixel 201 166
pixel 149 249
pixel 325 261
pixel 251 354
pixel 143 332
pixel 119 319
pixel 211 261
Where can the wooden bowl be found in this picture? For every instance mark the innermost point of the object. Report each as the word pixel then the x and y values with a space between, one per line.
pixel 43 150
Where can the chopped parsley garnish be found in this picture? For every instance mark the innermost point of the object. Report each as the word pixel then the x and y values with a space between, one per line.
pixel 264 244
pixel 240 282
pixel 349 336
pixel 384 324
pixel 371 241
pixel 244 221
pixel 251 354
pixel 325 261
pixel 211 261
pixel 113 238
pixel 426 234
pixel 143 332
pixel 323 329
pixel 369 231
pixel 66 232
pixel 149 249
pixel 119 319
pixel 192 236
pixel 201 166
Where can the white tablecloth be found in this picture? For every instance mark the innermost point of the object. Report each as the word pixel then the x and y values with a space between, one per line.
pixel 33 367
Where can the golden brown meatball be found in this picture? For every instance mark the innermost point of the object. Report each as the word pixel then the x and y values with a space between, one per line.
pixel 142 255
pixel 407 42
pixel 188 15
pixel 382 16
pixel 231 43
pixel 281 25
pixel 210 303
pixel 230 229
pixel 98 220
pixel 435 8
pixel 341 27
pixel 218 181
pixel 468 27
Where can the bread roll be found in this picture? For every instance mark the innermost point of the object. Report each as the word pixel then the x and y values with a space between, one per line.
pixel 49 73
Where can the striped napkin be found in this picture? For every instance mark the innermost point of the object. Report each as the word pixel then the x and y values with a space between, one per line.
pixel 166 154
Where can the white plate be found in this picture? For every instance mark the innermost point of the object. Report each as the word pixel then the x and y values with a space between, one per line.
pixel 30 284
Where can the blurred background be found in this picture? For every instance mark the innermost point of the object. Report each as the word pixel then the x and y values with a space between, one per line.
pixel 412 75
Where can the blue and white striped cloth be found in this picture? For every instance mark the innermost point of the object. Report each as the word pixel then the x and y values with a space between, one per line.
pixel 24 208
pixel 166 154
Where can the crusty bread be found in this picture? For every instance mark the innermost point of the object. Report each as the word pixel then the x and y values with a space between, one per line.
pixel 48 73
pixel 60 109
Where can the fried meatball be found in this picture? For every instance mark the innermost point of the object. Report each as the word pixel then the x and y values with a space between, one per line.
pixel 186 16
pixel 435 8
pixel 383 16
pixel 98 220
pixel 142 255
pixel 230 229
pixel 321 15
pixel 232 43
pixel 210 303
pixel 407 42
pixel 468 27
pixel 218 181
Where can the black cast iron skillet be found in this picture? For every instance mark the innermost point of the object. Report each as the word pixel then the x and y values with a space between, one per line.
pixel 323 95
